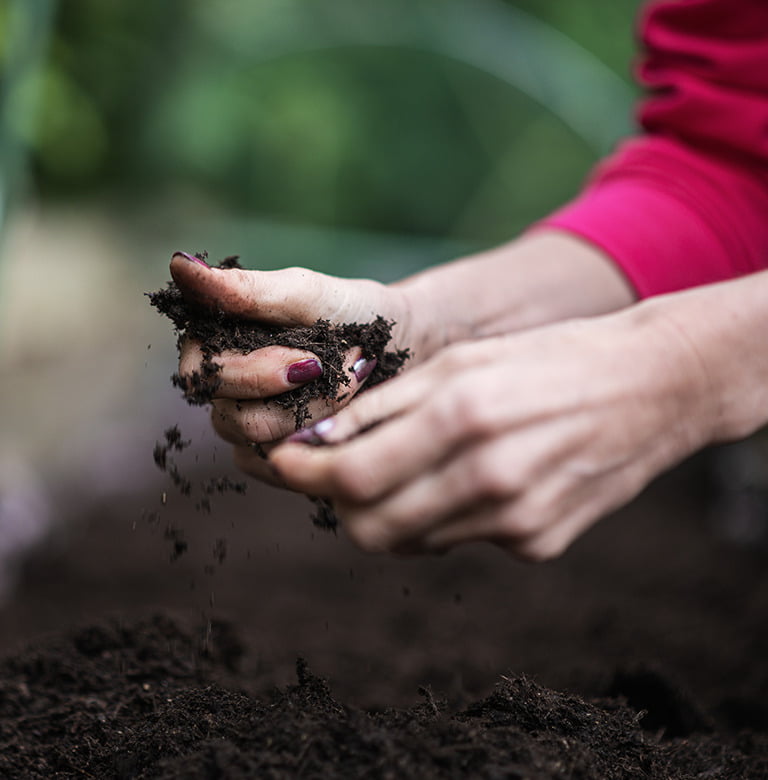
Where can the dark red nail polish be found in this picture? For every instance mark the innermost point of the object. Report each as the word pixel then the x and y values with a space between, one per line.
pixel 314 434
pixel 304 371
pixel 362 368
pixel 191 258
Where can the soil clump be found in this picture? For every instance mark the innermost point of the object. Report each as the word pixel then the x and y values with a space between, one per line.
pixel 217 332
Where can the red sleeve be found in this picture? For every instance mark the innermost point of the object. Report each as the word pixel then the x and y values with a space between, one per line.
pixel 686 203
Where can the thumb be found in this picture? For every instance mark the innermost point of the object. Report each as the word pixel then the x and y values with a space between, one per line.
pixel 289 297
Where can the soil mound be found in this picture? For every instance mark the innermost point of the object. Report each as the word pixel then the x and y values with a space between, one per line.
pixel 155 699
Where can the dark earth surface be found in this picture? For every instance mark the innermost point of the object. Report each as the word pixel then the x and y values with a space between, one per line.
pixel 642 653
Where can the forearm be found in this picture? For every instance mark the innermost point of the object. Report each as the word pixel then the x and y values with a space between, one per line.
pixel 686 202
pixel 722 333
pixel 543 277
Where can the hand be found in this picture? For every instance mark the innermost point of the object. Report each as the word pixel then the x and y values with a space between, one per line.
pixel 523 441
pixel 291 297
pixel 538 279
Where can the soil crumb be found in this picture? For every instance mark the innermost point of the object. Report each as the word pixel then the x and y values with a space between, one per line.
pixel 155 699
pixel 163 454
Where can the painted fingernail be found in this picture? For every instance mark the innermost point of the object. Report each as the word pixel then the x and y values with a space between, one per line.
pixel 315 434
pixel 304 371
pixel 191 258
pixel 362 368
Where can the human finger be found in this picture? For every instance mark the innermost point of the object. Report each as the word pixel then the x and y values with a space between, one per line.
pixel 288 297
pixel 402 393
pixel 484 474
pixel 242 421
pixel 594 502
pixel 373 463
pixel 252 460
pixel 262 373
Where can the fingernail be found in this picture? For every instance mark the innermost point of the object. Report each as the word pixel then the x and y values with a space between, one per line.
pixel 362 368
pixel 304 371
pixel 192 258
pixel 314 434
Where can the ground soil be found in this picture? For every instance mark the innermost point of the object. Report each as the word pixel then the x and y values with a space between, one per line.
pixel 641 654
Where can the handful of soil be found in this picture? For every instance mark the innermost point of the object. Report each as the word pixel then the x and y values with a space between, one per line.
pixel 217 332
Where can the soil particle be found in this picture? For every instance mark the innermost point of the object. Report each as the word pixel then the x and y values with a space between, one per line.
pixel 173 442
pixel 153 699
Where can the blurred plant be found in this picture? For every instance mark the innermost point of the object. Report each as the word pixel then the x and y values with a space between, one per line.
pixel 435 117
pixel 24 33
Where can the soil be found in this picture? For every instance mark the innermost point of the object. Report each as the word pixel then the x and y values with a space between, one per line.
pixel 217 332
pixel 641 654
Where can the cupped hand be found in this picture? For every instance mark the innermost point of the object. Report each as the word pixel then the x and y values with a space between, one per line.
pixel 288 298
pixel 523 440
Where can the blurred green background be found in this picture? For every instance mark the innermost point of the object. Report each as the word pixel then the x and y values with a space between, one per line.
pixel 458 120
pixel 356 137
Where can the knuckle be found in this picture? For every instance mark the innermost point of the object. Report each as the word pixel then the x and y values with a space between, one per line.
pixel 262 426
pixel 493 479
pixel 540 549
pixel 367 536
pixel 454 358
pixel 352 480
pixel 236 422
pixel 519 523
pixel 252 382
pixel 459 409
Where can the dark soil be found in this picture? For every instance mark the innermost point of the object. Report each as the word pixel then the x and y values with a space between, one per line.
pixel 217 332
pixel 641 654
pixel 146 700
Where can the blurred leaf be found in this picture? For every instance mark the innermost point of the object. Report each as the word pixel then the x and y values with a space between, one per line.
pixel 66 132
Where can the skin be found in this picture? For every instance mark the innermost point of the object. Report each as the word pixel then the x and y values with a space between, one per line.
pixel 523 420
pixel 522 284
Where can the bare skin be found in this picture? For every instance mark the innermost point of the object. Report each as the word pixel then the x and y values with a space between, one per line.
pixel 546 277
pixel 524 433
pixel 573 420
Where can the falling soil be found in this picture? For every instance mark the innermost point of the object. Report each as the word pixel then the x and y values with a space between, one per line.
pixel 150 699
pixel 217 332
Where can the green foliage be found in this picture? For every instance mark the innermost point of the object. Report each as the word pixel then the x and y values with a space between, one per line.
pixel 341 113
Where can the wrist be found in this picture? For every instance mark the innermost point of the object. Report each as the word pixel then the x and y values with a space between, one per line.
pixel 695 411
pixel 543 277
pixel 717 334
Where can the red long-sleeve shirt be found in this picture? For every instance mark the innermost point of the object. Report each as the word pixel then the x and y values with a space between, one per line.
pixel 686 202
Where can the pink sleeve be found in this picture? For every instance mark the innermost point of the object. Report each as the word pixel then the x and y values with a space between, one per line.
pixel 686 203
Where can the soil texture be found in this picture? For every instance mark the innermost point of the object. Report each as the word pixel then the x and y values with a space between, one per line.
pixel 146 700
pixel 641 654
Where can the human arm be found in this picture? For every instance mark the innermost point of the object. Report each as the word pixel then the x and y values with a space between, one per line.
pixel 686 202
pixel 683 205
pixel 526 440
pixel 541 278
